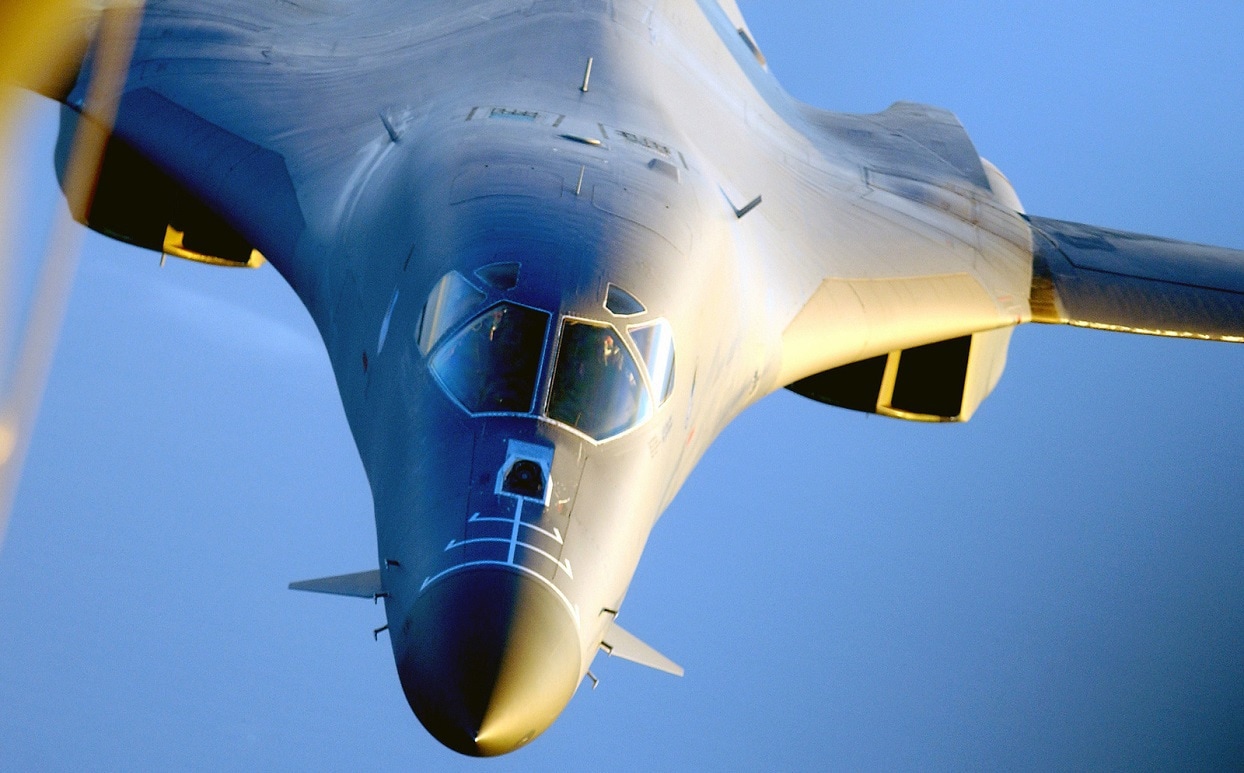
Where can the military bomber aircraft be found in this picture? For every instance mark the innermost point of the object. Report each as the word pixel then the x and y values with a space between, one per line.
pixel 549 276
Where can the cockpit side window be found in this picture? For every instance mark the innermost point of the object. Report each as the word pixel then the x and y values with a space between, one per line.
pixel 655 342
pixel 450 301
pixel 597 387
pixel 621 303
pixel 492 365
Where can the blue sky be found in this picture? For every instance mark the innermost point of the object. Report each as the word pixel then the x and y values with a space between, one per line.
pixel 1057 584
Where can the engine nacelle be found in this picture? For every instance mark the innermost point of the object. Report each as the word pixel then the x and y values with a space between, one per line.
pixel 939 382
pixel 135 202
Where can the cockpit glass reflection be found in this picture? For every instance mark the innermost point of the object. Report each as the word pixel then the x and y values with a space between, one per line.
pixel 449 303
pixel 492 364
pixel 597 387
pixel 655 342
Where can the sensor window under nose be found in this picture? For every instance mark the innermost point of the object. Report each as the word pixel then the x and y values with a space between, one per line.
pixel 525 479
pixel 526 472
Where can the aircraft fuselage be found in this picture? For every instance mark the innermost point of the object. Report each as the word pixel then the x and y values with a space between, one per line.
pixel 499 211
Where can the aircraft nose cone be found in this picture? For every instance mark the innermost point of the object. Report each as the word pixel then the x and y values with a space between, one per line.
pixel 491 658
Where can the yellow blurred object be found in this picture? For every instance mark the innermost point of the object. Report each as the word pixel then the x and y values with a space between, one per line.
pixel 8 442
pixel 41 44
pixel 174 244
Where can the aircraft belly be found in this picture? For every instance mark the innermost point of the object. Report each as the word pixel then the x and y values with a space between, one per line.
pixel 917 285
pixel 979 239
pixel 630 204
pixel 609 528
pixel 361 65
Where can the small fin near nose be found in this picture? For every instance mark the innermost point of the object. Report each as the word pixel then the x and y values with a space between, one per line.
pixel 620 643
pixel 363 585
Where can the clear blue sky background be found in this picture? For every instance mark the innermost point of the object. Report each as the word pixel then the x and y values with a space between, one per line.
pixel 1058 584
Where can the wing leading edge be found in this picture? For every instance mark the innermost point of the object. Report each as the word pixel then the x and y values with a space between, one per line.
pixel 1114 280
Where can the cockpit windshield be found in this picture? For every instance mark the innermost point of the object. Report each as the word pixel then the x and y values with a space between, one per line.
pixel 655 342
pixel 597 387
pixel 492 364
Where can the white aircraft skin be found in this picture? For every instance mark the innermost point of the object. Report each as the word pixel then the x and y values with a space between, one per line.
pixel 635 174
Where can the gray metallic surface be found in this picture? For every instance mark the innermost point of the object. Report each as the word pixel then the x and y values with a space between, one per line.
pixel 490 660
pixel 1097 277
pixel 369 149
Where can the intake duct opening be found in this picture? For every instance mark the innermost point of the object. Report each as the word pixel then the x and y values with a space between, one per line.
pixel 941 381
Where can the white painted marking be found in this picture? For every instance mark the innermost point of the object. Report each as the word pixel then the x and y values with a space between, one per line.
pixel 478 541
pixel 563 565
pixel 518 523
pixel 573 609
pixel 514 543
pixel 555 535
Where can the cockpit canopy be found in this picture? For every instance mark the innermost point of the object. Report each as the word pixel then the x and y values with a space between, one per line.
pixel 597 388
pixel 492 363
pixel 655 342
